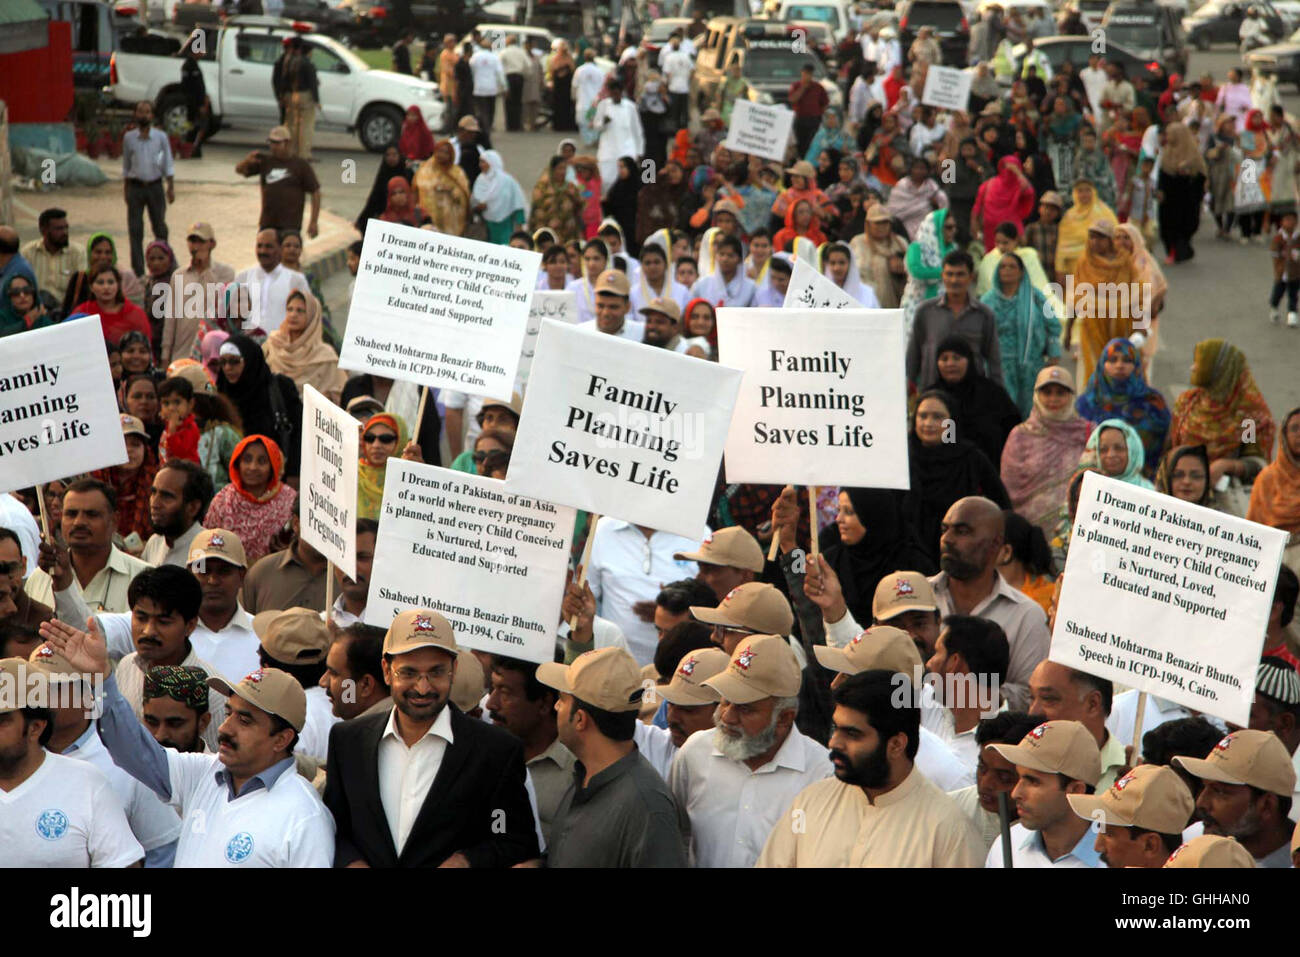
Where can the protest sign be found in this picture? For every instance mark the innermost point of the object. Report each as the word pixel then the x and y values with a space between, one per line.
pixel 465 546
pixel 328 485
pixel 946 87
pixel 439 310
pixel 809 289
pixel 624 429
pixel 547 304
pixel 761 130
pixel 1166 597
pixel 823 400
pixel 58 410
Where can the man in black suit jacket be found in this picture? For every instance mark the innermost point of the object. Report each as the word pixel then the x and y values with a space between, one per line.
pixel 424 785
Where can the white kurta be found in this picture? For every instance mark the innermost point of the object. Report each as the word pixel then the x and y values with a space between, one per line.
pixel 620 136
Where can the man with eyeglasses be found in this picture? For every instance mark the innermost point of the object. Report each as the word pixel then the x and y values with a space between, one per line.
pixel 13 570
pixel 451 788
pixel 484 414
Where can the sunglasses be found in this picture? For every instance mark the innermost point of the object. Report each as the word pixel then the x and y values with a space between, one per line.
pixel 231 360
pixel 15 291
pixel 382 438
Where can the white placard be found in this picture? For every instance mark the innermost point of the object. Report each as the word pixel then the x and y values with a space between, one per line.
pixel 946 87
pixel 547 304
pixel 623 429
pixel 492 562
pixel 809 289
pixel 439 310
pixel 824 398
pixel 1167 597
pixel 328 485
pixel 761 130
pixel 58 410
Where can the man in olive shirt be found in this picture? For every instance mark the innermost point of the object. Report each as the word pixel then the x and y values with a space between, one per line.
pixel 620 812
pixel 292 578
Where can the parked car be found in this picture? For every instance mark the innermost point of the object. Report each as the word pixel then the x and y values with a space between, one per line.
pixel 1281 60
pixel 767 56
pixel 1219 21
pixel 834 13
pixel 1151 30
pixel 1077 50
pixel 656 36
pixel 374 22
pixel 237 72
pixel 948 20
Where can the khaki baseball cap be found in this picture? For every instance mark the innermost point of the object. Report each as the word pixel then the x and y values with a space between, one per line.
pixel 757 606
pixel 1054 375
pixel 902 592
pixel 133 426
pixel 1051 198
pixel 879 214
pixel 1057 747
pixel 667 306
pixel 764 666
pixel 803 168
pixel 219 543
pixel 202 230
pixel 419 628
pixel 1256 758
pixel 515 405
pixel 1151 796
pixel 1103 227
pixel 279 134
pixel 468 122
pixel 1210 850
pixel 687 685
pixel 51 664
pixel 467 683
pixel 606 678
pixel 274 691
pixel 732 547
pixel 19 684
pixel 613 281
pixel 879 647
pixel 295 636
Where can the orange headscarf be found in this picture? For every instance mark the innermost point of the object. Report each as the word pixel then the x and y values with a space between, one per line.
pixel 277 467
pixel 1275 498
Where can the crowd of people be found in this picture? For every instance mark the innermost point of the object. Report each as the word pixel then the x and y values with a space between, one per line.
pixel 701 691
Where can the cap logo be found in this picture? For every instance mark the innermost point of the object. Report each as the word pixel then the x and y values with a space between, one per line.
pixel 44 651
pixel 1178 850
pixel 708 540
pixel 1123 782
pixel 1224 744
pixel 903 587
pixel 858 638
pixel 745 659
pixel 688 667
pixel 422 623
pixel 1038 732
pixel 731 594
pixel 254 677
pixel 217 541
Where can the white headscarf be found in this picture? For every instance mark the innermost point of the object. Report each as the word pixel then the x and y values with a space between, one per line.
pixel 853 284
pixel 498 190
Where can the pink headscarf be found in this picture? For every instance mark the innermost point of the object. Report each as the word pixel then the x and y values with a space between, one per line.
pixel 210 348
pixel 1004 199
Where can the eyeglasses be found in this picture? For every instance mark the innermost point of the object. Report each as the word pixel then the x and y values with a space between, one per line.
pixel 1181 476
pixel 480 457
pixel 412 675
pixel 382 438
pixel 15 291
pixel 231 360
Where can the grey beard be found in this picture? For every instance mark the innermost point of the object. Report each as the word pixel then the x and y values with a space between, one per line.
pixel 746 746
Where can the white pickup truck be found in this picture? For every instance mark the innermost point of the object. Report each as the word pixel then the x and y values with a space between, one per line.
pixel 237 67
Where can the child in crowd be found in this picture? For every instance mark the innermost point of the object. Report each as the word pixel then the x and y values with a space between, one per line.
pixel 1285 249
pixel 180 439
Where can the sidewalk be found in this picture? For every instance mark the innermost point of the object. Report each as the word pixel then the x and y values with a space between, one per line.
pixel 207 190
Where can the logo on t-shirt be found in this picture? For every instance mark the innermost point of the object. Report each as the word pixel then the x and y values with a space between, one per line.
pixel 274 176
pixel 239 848
pixel 52 824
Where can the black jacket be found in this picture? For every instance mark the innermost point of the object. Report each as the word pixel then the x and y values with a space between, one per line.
pixel 478 791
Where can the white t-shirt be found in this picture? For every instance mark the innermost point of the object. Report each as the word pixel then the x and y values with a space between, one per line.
pixel 152 822
pixel 286 826
pixel 232 651
pixel 314 738
pixel 65 815
pixel 632 329
pixel 677 69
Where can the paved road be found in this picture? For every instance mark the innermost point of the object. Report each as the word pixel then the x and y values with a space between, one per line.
pixel 1222 292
